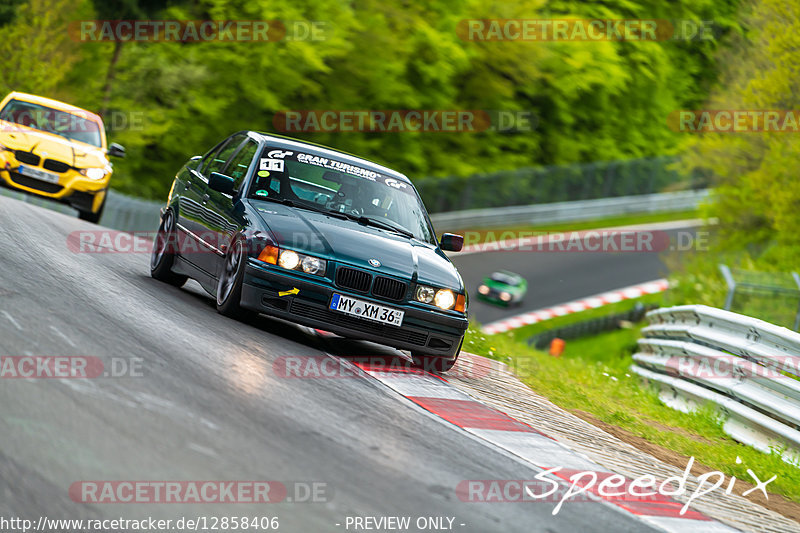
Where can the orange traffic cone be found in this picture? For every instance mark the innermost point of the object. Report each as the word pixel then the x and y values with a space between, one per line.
pixel 557 347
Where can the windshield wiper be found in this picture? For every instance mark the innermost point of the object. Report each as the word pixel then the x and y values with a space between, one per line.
pixel 379 223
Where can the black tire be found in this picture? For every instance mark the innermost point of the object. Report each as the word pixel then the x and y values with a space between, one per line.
pixel 163 255
pixel 433 363
pixel 94 218
pixel 229 284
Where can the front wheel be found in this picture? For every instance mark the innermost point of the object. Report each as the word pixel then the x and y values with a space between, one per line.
pixel 90 216
pixel 229 285
pixel 163 255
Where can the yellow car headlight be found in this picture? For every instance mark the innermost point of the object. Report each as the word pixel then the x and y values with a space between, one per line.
pixel 445 299
pixel 291 260
pixel 93 173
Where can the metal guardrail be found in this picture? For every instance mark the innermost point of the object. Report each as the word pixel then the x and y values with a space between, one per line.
pixel 553 183
pixel 122 212
pixel 747 367
pixel 569 211
pixel 125 213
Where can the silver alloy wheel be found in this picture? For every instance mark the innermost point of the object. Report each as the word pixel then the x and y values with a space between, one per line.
pixel 227 280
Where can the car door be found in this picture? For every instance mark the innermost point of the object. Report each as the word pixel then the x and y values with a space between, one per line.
pixel 228 209
pixel 210 220
pixel 191 188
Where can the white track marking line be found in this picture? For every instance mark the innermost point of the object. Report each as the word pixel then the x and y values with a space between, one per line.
pixel 60 334
pixel 11 319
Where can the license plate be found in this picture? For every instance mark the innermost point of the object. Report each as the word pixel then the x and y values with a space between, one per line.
pixel 35 173
pixel 367 310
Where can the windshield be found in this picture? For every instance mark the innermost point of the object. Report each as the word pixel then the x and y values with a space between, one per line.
pixel 505 279
pixel 38 117
pixel 340 187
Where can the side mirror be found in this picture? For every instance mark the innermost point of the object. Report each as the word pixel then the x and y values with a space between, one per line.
pixel 450 242
pixel 221 183
pixel 116 150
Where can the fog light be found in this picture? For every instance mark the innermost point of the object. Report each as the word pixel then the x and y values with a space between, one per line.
pixel 445 299
pixel 424 294
pixel 312 265
pixel 289 259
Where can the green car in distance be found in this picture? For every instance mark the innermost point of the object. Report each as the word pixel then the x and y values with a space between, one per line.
pixel 503 288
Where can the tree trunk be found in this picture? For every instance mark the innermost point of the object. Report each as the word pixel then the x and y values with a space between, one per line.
pixel 110 78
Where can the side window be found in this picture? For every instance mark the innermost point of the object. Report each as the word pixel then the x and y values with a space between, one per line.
pixel 216 162
pixel 237 168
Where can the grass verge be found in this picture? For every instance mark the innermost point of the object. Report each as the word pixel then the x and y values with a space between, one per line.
pixel 592 376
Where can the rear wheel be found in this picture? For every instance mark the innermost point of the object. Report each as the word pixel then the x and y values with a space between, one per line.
pixel 229 285
pixel 163 255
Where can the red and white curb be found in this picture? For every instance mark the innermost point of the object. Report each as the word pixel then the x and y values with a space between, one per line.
pixel 434 394
pixel 592 302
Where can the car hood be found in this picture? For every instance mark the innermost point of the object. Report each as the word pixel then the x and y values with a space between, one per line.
pixel 49 146
pixel 347 241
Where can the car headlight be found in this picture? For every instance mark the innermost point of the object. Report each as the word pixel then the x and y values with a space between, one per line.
pixel 483 289
pixel 444 299
pixel 291 260
pixel 425 294
pixel 506 297
pixel 312 265
pixel 93 173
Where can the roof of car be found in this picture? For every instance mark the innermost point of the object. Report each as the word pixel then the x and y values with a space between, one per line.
pixel 504 276
pixel 55 104
pixel 288 142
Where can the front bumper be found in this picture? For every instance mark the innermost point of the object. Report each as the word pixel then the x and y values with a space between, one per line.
pixel 424 332
pixel 72 188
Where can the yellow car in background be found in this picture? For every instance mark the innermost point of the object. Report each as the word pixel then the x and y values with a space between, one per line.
pixel 57 151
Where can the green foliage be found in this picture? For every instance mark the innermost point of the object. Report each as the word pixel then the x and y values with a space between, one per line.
pixel 593 101
pixel 36 49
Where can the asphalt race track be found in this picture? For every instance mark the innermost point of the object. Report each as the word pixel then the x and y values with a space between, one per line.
pixel 207 404
pixel 558 277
